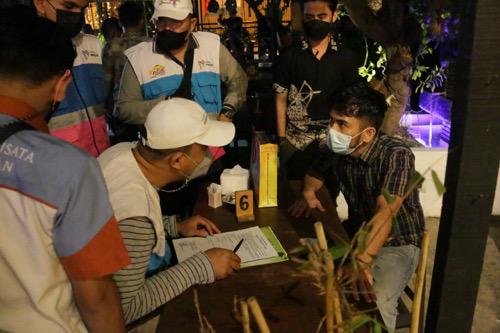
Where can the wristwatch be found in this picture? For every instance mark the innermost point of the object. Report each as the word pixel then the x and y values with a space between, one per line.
pixel 228 111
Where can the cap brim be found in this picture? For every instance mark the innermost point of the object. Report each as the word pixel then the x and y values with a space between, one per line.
pixel 219 134
pixel 173 13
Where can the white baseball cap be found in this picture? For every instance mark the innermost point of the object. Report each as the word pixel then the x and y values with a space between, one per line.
pixel 179 122
pixel 175 9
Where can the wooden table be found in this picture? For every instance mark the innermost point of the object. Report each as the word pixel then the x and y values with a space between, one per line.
pixel 290 303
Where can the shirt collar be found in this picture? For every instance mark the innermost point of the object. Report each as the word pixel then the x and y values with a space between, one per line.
pixel 369 155
pixel 333 44
pixel 20 110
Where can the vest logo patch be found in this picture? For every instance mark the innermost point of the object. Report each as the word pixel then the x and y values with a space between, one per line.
pixel 203 63
pixel 87 54
pixel 156 71
pixel 167 2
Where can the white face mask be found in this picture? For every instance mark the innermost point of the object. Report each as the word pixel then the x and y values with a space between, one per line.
pixel 202 167
pixel 200 170
pixel 340 143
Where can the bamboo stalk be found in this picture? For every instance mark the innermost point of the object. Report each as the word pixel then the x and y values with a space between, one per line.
pixel 198 310
pixel 320 235
pixel 245 317
pixel 419 285
pixel 329 292
pixel 328 262
pixel 259 316
pixel 337 309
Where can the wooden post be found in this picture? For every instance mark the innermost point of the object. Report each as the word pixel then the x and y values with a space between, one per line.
pixel 471 170
pixel 258 315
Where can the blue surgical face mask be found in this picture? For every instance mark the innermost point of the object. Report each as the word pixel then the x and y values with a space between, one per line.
pixel 340 143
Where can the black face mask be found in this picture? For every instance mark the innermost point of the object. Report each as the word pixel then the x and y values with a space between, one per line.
pixel 72 23
pixel 317 29
pixel 168 40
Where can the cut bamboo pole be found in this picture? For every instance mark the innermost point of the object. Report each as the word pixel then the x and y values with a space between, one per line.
pixel 198 310
pixel 337 309
pixel 245 317
pixel 320 235
pixel 419 285
pixel 329 292
pixel 259 316
pixel 328 262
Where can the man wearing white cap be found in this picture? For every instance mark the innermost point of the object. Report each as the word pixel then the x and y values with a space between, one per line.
pixel 180 63
pixel 173 148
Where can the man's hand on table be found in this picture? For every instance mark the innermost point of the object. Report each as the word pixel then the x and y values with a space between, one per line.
pixel 361 281
pixel 197 226
pixel 303 206
pixel 224 262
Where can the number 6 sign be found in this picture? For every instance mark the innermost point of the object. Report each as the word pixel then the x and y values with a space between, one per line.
pixel 244 206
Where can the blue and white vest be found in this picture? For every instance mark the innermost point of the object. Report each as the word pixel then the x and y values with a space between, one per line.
pixel 159 75
pixel 71 122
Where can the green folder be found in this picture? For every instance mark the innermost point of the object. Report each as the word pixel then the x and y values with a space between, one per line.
pixel 282 255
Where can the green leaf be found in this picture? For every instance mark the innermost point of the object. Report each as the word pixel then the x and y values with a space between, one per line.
pixel 363 237
pixel 358 322
pixel 437 183
pixel 338 251
pixel 377 328
pixel 388 197
pixel 305 267
pixel 417 179
pixel 298 250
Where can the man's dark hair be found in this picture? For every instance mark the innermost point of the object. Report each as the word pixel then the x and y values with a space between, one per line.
pixel 130 13
pixel 108 25
pixel 332 4
pixel 361 101
pixel 33 49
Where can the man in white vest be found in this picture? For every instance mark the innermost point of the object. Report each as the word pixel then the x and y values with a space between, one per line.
pixel 173 148
pixel 179 62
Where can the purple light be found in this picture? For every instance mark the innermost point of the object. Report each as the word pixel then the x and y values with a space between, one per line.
pixel 431 126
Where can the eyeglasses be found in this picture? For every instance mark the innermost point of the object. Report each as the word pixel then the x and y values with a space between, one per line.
pixel 208 156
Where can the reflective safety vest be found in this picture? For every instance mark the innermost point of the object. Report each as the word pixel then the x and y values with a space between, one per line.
pixel 159 75
pixel 71 122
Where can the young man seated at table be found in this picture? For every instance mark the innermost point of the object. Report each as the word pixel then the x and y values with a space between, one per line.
pixel 173 148
pixel 365 164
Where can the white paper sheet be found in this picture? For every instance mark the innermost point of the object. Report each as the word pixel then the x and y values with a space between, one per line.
pixel 254 247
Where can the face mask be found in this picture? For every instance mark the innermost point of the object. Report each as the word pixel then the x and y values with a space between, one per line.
pixel 202 167
pixel 340 143
pixel 317 29
pixel 200 170
pixel 167 40
pixel 72 23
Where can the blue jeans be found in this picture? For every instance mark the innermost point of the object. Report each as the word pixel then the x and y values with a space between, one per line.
pixel 393 269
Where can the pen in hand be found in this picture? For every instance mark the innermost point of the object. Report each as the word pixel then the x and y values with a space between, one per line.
pixel 238 245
